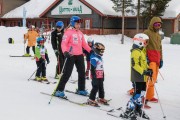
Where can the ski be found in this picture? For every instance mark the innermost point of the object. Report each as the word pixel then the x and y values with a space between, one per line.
pixel 40 81
pixel 70 81
pixel 19 56
pixel 65 98
pixel 69 91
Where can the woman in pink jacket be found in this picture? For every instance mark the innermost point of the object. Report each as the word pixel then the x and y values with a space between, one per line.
pixel 73 38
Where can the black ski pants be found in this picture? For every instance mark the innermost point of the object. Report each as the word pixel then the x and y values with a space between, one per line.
pixel 41 71
pixel 139 86
pixel 78 60
pixel 97 85
pixel 27 49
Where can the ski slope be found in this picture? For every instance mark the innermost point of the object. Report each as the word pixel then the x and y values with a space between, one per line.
pixel 21 99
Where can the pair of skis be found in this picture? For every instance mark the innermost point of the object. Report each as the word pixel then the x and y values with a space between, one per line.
pixel 44 81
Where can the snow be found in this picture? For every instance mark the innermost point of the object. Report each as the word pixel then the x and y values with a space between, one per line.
pixel 34 8
pixel 21 99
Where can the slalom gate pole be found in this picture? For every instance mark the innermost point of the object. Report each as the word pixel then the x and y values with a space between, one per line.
pixel 164 116
pixel 60 76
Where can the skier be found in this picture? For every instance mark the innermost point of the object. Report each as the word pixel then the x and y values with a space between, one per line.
pixel 41 55
pixel 97 73
pixel 30 36
pixel 139 71
pixel 154 54
pixel 90 42
pixel 73 38
pixel 56 39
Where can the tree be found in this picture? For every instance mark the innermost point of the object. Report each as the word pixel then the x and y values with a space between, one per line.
pixel 153 8
pixel 123 6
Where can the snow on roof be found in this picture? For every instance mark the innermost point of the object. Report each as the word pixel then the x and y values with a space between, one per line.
pixel 34 8
pixel 104 7
pixel 172 10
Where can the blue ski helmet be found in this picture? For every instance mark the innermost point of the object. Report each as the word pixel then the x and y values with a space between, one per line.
pixel 75 19
pixel 60 24
pixel 39 39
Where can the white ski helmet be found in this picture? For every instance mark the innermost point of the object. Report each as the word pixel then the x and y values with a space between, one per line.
pixel 90 40
pixel 140 39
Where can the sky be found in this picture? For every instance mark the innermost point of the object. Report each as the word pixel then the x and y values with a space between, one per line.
pixel 21 99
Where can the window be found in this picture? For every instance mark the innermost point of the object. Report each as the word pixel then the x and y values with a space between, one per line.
pixel 87 24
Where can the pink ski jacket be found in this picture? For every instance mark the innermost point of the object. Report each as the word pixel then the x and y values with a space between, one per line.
pixel 74 38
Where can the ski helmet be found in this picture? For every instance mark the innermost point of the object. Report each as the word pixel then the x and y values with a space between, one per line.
pixel 140 39
pixel 98 48
pixel 39 39
pixel 60 24
pixel 75 19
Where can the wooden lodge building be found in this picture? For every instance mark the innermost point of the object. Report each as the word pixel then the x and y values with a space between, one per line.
pixel 99 17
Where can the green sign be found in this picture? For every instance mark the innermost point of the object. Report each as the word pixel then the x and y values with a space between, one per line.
pixel 70 9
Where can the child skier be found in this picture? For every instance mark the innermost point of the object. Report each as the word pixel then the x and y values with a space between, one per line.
pixel 41 55
pixel 90 42
pixel 97 73
pixel 139 70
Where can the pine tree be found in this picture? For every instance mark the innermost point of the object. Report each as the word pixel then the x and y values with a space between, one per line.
pixel 124 6
pixel 153 8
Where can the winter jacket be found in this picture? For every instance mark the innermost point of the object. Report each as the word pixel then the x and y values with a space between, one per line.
pixel 154 47
pixel 97 69
pixel 74 38
pixel 31 36
pixel 41 53
pixel 138 64
pixel 56 39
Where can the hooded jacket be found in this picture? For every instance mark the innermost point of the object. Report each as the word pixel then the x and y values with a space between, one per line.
pixel 154 47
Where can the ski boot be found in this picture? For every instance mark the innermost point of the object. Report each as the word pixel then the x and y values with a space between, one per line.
pixel 131 91
pixel 139 112
pixel 37 78
pixel 154 100
pixel 44 78
pixel 102 101
pixel 92 103
pixel 27 55
pixel 129 114
pixel 59 94
pixel 56 76
pixel 82 92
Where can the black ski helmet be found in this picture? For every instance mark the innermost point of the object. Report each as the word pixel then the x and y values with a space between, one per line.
pixel 98 48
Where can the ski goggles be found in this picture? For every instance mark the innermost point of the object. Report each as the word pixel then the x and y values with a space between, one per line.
pixel 78 21
pixel 145 42
pixel 157 24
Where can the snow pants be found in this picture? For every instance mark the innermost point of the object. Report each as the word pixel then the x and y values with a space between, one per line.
pixel 60 63
pixel 78 60
pixel 97 86
pixel 28 47
pixel 41 71
pixel 150 89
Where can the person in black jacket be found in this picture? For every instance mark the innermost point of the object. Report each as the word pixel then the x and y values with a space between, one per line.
pixel 56 38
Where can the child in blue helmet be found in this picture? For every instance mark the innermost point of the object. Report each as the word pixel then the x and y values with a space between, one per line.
pixel 41 56
pixel 97 73
pixel 56 39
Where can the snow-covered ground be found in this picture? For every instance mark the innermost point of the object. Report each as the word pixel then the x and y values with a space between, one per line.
pixel 21 99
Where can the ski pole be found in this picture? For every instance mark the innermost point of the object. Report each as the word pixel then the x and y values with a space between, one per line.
pixel 60 77
pixel 161 75
pixel 164 116
pixel 35 71
pixel 144 102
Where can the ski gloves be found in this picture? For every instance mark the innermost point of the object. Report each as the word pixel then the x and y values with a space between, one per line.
pixel 56 52
pixel 67 54
pixel 161 64
pixel 148 72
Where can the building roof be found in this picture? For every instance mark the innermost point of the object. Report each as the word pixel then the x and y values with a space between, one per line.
pixel 34 8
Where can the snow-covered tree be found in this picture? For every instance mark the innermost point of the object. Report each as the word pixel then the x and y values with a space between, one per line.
pixel 124 6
